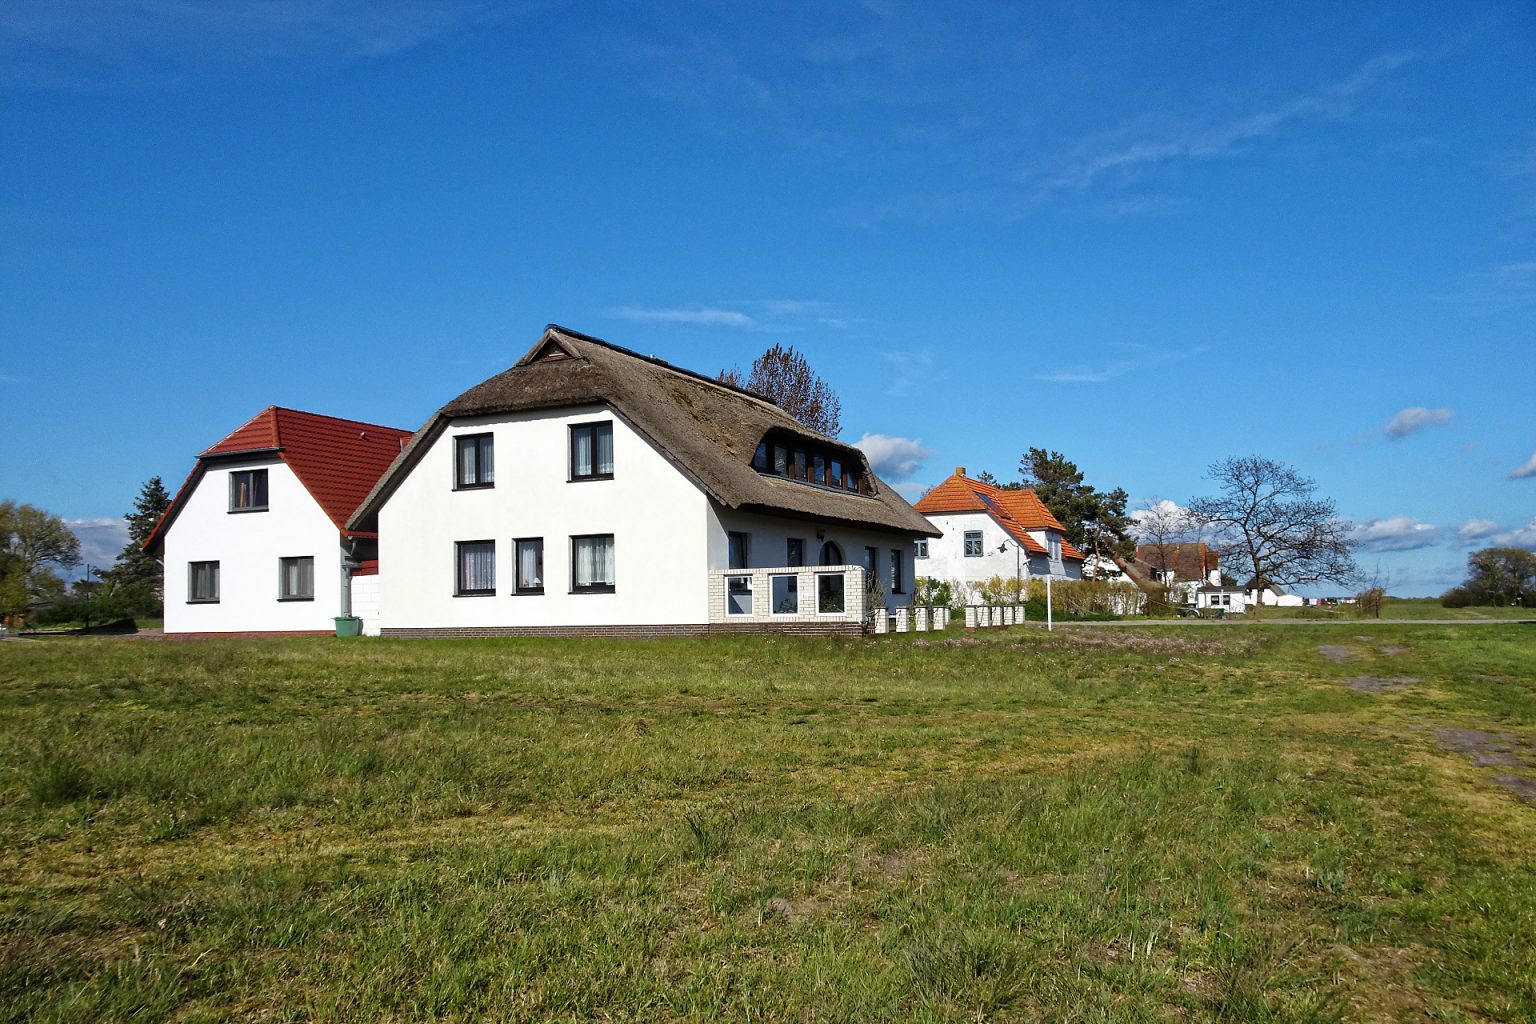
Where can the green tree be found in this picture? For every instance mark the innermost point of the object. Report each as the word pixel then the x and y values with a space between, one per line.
pixel 1500 577
pixel 136 579
pixel 1094 521
pixel 31 542
pixel 783 376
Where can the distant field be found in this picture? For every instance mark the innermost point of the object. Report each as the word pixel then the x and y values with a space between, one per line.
pixel 1168 823
pixel 1403 608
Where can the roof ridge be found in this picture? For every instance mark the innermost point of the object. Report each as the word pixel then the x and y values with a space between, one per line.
pixel 653 360
pixel 338 419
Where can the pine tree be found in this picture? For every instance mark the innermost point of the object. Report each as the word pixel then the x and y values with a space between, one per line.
pixel 136 579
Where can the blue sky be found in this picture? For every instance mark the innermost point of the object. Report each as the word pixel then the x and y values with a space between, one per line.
pixel 1149 236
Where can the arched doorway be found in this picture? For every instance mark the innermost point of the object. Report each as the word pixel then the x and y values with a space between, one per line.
pixel 831 554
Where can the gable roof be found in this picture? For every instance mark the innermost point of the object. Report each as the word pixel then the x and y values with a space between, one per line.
pixel 1016 511
pixel 336 460
pixel 1189 561
pixel 707 429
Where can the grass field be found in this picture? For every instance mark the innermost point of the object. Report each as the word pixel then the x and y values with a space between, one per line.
pixel 1298 824
pixel 1403 608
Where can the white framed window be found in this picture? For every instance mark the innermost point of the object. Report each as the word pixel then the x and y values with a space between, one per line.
pixel 1055 549
pixel 474 568
pixel 738 595
pixel 474 462
pixel 592 570
pixel 202 582
pixel 920 548
pixel 973 544
pixel 530 565
pixel 248 490
pixel 296 578
pixel 829 593
pixel 592 451
pixel 785 593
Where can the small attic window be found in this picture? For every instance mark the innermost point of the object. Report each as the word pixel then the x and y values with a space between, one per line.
pixel 806 464
pixel 760 458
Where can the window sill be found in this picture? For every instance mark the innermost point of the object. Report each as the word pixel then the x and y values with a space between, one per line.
pixel 283 600
pixel 593 590
pixel 538 592
pixel 589 479
pixel 253 508
pixel 474 487
pixel 474 593
pixel 202 600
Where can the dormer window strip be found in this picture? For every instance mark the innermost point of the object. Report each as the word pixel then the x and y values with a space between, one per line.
pixel 816 466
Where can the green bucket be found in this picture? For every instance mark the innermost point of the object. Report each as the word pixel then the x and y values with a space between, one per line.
pixel 349 625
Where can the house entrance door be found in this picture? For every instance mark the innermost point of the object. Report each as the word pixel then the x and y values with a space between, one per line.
pixel 831 554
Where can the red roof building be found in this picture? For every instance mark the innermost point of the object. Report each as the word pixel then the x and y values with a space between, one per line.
pixel 980 521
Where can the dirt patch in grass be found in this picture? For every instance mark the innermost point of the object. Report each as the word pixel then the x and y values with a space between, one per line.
pixel 1134 642
pixel 1338 654
pixel 1381 684
pixel 1489 749
pixel 1393 649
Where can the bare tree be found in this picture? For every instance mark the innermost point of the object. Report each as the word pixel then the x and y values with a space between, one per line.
pixel 1163 527
pixel 783 376
pixel 1269 518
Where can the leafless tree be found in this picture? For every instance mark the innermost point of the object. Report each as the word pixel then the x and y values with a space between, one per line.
pixel 1269 518
pixel 783 376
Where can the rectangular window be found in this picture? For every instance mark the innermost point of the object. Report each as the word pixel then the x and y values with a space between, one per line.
pixel 248 490
pixel 1055 550
pixel 738 595
pixel 835 473
pixel 296 578
pixel 592 451
pixel 829 593
pixel 474 461
pixel 739 555
pixel 798 471
pixel 853 481
pixel 818 469
pixel 796 553
pixel 760 458
pixel 202 582
pixel 780 460
pixel 475 571
pixel 530 565
pixel 786 595
pixel 872 561
pixel 592 564
pixel 898 573
pixel 920 549
pixel 972 543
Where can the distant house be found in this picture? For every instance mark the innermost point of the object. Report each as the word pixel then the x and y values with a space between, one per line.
pixel 1232 600
pixel 986 531
pixel 256 539
pixel 1183 567
pixel 592 490
pixel 1271 596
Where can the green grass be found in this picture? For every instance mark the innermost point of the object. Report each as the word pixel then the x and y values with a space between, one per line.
pixel 1402 608
pixel 1092 825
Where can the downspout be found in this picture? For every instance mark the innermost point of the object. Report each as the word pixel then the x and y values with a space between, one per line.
pixel 348 564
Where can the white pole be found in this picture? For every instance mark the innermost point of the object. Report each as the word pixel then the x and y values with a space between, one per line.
pixel 1048 621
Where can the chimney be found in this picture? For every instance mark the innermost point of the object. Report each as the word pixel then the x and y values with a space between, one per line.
pixel 959 471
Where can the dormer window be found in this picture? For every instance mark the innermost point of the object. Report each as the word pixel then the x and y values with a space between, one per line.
pixel 248 490
pixel 808 465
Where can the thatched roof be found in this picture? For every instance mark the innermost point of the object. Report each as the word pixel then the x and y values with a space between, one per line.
pixel 707 429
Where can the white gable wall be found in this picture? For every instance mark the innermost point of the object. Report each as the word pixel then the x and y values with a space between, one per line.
pixel 247 546
pixel 947 559
pixel 659 519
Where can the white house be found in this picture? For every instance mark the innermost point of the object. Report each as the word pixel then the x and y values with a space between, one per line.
pixel 593 490
pixel 1272 596
pixel 256 539
pixel 1184 567
pixel 985 531
pixel 1212 596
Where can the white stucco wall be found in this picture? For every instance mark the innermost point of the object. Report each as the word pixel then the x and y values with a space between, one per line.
pixel 769 546
pixel 659 519
pixel 947 560
pixel 247 546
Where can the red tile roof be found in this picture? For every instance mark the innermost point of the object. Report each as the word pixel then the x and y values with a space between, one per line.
pixel 338 461
pixel 1016 511
pixel 1189 561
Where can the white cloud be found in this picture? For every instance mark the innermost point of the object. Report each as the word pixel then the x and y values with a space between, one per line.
pixel 101 540
pixel 894 458
pixel 1476 529
pixel 699 316
pixel 1525 471
pixel 1524 537
pixel 1394 533
pixel 1415 418
pixel 1159 507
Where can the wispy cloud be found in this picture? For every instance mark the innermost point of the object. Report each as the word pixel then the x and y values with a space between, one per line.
pixel 1116 162
pixel 101 540
pixel 1415 418
pixel 53 43
pixel 1526 471
pixel 1502 288
pixel 1520 537
pixel 1394 533
pixel 895 458
pixel 1129 359
pixel 1474 530
pixel 747 314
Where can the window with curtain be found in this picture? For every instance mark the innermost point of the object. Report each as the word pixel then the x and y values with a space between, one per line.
pixel 795 555
pixel 474 461
pixel 898 573
pixel 739 553
pixel 296 578
pixel 592 564
pixel 530 565
pixel 592 451
pixel 476 568
pixel 248 490
pixel 202 582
